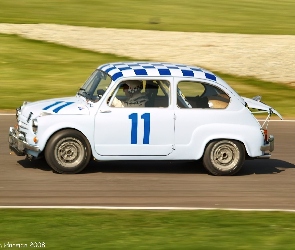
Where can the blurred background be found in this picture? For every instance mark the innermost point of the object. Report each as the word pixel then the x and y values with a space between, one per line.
pixel 243 36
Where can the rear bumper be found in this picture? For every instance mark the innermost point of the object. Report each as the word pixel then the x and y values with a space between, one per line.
pixel 18 144
pixel 269 146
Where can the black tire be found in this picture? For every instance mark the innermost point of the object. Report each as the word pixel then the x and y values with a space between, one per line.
pixel 68 152
pixel 224 157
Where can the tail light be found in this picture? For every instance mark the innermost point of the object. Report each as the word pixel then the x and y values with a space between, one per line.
pixel 265 135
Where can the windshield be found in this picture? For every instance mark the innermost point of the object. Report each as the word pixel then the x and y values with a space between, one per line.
pixel 95 86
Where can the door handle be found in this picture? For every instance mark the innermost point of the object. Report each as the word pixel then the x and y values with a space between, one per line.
pixel 105 111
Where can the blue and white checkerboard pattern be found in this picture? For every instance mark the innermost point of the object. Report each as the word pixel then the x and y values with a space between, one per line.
pixel 127 69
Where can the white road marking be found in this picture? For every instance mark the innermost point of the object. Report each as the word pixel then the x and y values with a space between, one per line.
pixel 278 120
pixel 149 208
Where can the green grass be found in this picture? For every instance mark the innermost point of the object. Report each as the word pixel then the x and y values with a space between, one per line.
pixel 225 16
pixel 100 229
pixel 33 70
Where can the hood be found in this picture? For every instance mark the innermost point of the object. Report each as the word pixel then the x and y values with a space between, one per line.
pixel 58 106
pixel 255 103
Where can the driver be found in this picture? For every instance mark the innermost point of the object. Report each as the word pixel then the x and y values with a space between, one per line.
pixel 135 98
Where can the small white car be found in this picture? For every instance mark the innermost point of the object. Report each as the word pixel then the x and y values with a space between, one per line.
pixel 183 113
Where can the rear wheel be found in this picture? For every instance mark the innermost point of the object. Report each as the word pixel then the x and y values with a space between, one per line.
pixel 224 157
pixel 68 152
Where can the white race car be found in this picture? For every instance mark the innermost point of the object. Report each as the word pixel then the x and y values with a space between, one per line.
pixel 180 112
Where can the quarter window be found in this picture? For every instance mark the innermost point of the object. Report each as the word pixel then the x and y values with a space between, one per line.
pixel 191 94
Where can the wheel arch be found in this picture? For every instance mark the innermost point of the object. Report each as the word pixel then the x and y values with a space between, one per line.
pixel 67 128
pixel 50 125
pixel 223 138
pixel 250 137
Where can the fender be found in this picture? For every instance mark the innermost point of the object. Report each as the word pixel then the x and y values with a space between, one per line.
pixel 48 125
pixel 250 136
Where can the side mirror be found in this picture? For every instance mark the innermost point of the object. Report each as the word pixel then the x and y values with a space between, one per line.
pixel 100 93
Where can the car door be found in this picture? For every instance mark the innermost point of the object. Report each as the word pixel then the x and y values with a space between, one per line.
pixel 134 131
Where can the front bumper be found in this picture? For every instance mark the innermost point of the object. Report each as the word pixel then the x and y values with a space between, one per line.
pixel 18 144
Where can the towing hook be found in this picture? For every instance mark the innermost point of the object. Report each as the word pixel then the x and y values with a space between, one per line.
pixel 29 157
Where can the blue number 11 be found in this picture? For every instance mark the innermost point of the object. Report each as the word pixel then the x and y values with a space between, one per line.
pixel 146 127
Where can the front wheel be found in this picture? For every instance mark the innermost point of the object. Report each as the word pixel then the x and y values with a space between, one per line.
pixel 224 157
pixel 68 152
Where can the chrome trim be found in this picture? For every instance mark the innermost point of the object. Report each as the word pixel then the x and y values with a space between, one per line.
pixel 29 117
pixel 17 112
pixel 18 144
pixel 265 156
pixel 35 125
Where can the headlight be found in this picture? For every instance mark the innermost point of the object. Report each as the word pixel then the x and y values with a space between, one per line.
pixel 35 125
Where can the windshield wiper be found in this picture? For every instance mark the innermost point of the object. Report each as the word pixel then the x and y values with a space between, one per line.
pixel 83 92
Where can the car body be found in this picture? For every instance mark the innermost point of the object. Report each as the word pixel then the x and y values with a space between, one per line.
pixel 191 114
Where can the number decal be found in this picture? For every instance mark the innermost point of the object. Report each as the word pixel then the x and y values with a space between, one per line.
pixel 146 127
pixel 134 119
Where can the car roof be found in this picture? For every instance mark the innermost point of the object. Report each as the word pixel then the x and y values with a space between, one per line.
pixel 143 69
pixel 128 69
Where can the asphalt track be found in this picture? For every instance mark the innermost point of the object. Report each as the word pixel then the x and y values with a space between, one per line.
pixel 261 184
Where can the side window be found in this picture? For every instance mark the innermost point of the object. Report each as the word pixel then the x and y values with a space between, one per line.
pixel 158 93
pixel 192 94
pixel 140 93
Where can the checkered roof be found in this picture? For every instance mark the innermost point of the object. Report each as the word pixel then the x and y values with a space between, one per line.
pixel 127 69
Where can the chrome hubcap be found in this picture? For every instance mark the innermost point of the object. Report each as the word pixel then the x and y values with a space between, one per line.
pixel 69 152
pixel 225 155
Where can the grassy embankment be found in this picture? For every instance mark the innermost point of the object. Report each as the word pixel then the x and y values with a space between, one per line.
pixel 223 16
pixel 33 70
